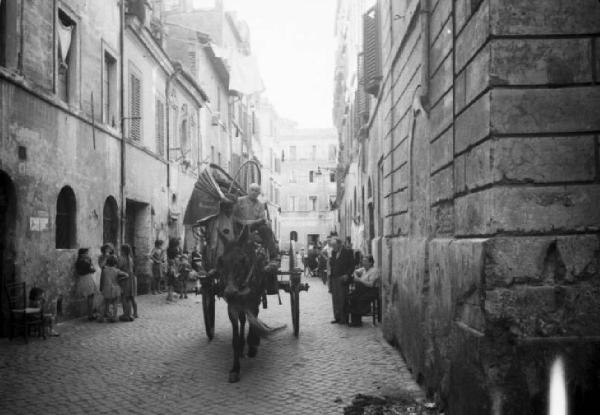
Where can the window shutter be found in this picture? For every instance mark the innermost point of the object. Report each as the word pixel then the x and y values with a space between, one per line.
pixel 160 128
pixel 192 62
pixel 372 51
pixel 362 98
pixel 135 109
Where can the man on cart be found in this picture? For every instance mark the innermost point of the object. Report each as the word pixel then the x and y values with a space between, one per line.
pixel 250 212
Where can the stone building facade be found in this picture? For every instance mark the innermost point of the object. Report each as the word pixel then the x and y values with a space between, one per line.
pixel 88 156
pixel 308 185
pixel 481 145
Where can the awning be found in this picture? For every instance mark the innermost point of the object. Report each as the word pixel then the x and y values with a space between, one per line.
pixel 244 76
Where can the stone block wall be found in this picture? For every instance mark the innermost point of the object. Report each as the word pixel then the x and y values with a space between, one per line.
pixel 491 187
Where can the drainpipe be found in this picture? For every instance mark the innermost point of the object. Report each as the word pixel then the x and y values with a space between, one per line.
pixel 425 39
pixel 122 108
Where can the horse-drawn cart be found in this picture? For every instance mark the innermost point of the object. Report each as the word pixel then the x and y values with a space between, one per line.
pixel 214 186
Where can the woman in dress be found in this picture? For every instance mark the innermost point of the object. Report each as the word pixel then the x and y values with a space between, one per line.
pixel 86 287
pixel 109 286
pixel 128 285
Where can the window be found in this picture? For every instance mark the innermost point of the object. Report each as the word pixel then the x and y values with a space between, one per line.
pixel 3 32
pixel 110 221
pixel 160 127
pixel 192 63
pixel 219 99
pixel 109 90
pixel 311 176
pixel 219 158
pixel 303 204
pixel 292 203
pixel 66 35
pixel 372 51
pixel 66 219
pixel 332 152
pixel 292 176
pixel 313 154
pixel 277 165
pixel 292 152
pixel 332 177
pixel 314 200
pixel 332 201
pixel 135 107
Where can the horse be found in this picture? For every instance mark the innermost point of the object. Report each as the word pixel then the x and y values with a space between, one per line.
pixel 244 277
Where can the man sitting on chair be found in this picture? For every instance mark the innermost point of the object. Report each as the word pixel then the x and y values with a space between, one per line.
pixel 366 281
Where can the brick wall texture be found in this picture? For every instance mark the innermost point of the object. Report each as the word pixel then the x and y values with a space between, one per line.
pixel 490 196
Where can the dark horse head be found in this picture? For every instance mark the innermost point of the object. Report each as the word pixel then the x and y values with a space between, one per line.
pixel 242 273
pixel 241 269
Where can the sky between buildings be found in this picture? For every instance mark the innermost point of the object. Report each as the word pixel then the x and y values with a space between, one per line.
pixel 294 44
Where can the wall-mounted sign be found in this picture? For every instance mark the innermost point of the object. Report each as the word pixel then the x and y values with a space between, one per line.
pixel 38 224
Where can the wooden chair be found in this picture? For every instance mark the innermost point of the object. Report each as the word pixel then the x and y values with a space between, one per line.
pixel 375 305
pixel 376 309
pixel 21 316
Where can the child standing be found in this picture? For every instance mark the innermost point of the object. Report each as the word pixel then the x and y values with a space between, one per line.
pixel 109 286
pixel 86 287
pixel 173 252
pixel 157 256
pixel 184 268
pixel 128 285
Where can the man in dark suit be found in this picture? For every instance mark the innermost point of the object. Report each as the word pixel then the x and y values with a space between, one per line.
pixel 342 267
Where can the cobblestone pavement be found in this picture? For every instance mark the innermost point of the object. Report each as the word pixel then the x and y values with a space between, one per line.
pixel 163 363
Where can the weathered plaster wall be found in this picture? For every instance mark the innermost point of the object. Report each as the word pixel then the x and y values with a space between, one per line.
pixel 62 149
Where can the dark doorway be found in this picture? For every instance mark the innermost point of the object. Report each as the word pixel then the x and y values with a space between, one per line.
pixel 371 227
pixel 110 221
pixel 8 203
pixel 312 239
pixel 294 236
pixel 66 219
pixel 138 231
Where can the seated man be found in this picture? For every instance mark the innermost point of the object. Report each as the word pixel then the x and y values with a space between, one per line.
pixel 366 281
pixel 249 211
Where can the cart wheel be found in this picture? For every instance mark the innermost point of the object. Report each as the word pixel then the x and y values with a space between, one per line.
pixel 295 304
pixel 208 309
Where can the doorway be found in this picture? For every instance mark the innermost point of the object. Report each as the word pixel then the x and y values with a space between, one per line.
pixel 138 230
pixel 311 240
pixel 8 210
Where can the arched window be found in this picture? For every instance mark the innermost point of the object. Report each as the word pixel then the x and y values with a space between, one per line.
pixel 294 236
pixel 66 209
pixel 110 221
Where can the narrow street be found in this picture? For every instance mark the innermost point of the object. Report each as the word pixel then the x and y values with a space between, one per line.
pixel 163 363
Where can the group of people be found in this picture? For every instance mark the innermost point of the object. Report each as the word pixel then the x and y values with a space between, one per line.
pixel 178 267
pixel 118 282
pixel 353 283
